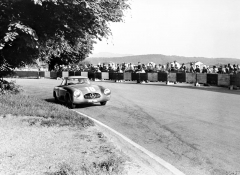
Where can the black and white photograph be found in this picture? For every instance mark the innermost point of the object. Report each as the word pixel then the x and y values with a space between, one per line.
pixel 119 87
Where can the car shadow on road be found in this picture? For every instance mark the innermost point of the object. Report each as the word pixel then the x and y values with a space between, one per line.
pixel 52 100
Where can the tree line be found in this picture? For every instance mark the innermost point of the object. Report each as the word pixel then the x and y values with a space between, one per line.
pixel 54 31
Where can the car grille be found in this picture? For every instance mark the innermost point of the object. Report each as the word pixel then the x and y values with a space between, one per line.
pixel 92 95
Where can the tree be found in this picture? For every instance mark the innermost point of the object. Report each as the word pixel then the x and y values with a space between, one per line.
pixel 54 31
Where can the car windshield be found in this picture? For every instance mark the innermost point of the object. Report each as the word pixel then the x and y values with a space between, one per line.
pixel 73 81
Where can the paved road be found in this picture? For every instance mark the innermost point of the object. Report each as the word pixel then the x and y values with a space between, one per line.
pixel 195 129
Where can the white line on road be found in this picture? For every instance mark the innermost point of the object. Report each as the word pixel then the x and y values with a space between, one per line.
pixel 162 162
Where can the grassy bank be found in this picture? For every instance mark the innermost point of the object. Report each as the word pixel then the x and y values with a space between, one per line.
pixel 92 153
pixel 53 114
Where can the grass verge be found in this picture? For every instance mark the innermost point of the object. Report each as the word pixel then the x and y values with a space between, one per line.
pixel 49 114
pixel 92 153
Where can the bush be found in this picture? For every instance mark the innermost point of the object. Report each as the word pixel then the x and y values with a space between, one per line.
pixel 9 87
pixel 112 165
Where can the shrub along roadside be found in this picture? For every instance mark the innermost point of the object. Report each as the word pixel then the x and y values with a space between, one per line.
pixel 9 87
pixel 49 114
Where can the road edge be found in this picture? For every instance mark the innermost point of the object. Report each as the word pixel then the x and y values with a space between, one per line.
pixel 159 160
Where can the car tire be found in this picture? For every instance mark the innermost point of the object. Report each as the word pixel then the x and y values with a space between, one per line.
pixel 69 102
pixel 55 97
pixel 103 103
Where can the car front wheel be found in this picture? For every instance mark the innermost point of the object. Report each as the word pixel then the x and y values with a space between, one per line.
pixel 55 97
pixel 69 102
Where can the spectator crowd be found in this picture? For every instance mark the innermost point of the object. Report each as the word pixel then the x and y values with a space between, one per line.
pixel 151 68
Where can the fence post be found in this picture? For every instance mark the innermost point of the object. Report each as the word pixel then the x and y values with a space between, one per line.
pixel 196 84
pixel 138 79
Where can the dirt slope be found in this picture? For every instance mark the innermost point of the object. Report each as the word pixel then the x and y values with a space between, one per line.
pixel 28 148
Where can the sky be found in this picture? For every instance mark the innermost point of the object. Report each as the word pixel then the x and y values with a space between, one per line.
pixel 200 28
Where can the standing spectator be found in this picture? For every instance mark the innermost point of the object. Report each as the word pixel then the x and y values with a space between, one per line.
pixel 226 69
pixel 204 70
pixel 123 67
pixel 156 68
pixel 160 67
pixel 163 68
pixel 130 68
pixel 100 68
pixel 110 68
pixel 234 69
pixel 183 67
pixel 230 69
pixel 118 68
pixel 92 69
pixel 104 68
pixel 97 69
pixel 214 71
pixel 86 67
pixel 238 69
pixel 150 68
pixel 139 67
pixel 175 65
pixel 191 70
pixel 144 67
pixel 172 68
pixel 197 70
pixel 220 70
pixel 168 67
pixel 209 70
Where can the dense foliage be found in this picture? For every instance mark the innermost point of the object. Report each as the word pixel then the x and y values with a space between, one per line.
pixel 54 31
pixel 9 87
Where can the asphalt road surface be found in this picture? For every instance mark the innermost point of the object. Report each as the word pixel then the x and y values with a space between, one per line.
pixel 196 129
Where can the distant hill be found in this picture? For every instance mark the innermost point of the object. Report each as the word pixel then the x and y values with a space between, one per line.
pixel 162 59
pixel 108 54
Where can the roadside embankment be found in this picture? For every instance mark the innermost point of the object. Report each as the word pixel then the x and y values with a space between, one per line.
pixel 38 137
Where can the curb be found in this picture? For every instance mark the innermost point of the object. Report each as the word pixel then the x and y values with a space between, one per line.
pixel 162 162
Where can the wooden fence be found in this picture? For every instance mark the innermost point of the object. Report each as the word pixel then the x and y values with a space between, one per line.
pixel 211 79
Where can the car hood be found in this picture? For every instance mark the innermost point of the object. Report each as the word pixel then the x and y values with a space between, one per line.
pixel 86 88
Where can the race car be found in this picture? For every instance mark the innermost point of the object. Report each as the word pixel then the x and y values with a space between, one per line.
pixel 76 90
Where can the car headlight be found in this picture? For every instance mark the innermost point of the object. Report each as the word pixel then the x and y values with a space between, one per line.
pixel 77 93
pixel 107 91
